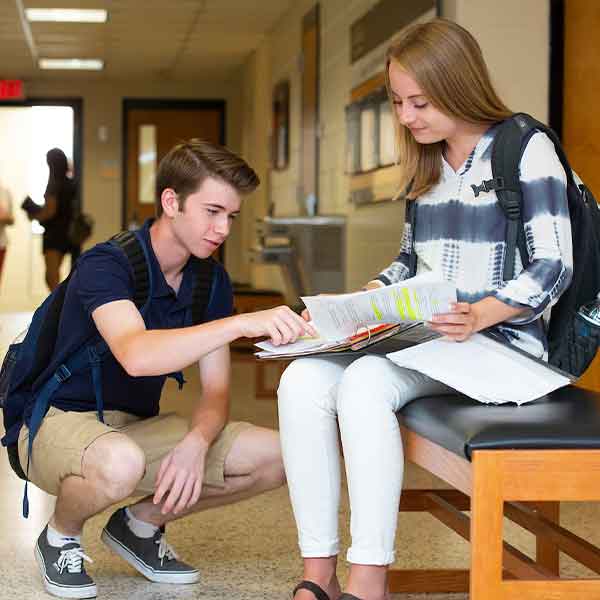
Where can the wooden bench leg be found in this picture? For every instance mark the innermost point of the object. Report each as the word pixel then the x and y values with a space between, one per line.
pixel 487 512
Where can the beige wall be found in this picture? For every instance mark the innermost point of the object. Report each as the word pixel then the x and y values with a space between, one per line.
pixel 515 41
pixel 255 111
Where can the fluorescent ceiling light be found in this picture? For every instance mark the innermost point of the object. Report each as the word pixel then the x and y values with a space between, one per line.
pixel 69 15
pixel 83 64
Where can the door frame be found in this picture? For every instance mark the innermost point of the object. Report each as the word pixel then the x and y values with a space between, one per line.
pixel 160 104
pixel 76 103
pixel 557 66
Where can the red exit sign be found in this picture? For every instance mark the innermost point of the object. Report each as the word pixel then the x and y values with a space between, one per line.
pixel 11 89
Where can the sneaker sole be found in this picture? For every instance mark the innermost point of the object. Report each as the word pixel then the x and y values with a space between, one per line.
pixel 89 591
pixel 143 568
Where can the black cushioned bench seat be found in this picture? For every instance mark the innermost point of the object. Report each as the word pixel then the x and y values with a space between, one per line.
pixel 566 418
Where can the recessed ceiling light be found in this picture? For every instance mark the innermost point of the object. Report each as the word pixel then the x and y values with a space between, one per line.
pixel 70 15
pixel 83 64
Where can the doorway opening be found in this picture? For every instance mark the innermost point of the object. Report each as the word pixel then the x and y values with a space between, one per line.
pixel 28 131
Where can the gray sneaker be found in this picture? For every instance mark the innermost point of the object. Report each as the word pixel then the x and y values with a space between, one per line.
pixel 152 557
pixel 63 573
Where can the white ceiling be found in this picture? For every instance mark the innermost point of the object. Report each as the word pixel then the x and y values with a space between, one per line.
pixel 167 39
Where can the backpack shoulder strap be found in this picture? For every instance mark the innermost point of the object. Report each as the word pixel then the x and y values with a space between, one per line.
pixel 411 214
pixel 203 276
pixel 509 144
pixel 137 255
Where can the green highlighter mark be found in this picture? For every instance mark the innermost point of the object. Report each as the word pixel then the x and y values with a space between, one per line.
pixel 409 308
pixel 417 305
pixel 399 305
pixel 376 311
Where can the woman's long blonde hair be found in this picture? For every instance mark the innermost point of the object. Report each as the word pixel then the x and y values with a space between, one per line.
pixel 447 63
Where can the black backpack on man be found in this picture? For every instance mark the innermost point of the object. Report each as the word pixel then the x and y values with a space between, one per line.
pixel 22 379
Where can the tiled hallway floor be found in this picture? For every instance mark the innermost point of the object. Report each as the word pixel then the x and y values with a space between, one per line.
pixel 245 552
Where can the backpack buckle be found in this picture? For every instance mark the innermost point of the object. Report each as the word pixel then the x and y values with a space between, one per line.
pixel 488 185
pixel 62 373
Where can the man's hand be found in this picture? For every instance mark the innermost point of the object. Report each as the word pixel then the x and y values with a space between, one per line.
pixel 459 324
pixel 180 475
pixel 281 324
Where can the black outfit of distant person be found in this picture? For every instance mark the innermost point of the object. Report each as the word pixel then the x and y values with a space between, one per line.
pixel 64 189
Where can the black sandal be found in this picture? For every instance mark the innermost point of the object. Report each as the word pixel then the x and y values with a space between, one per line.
pixel 311 586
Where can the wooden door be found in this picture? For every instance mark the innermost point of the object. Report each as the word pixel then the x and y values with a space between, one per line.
pixel 150 132
pixel 581 111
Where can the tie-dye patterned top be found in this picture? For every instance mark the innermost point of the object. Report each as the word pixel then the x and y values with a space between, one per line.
pixel 463 238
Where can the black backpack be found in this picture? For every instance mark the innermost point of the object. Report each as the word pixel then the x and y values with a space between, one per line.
pixel 23 374
pixel 572 339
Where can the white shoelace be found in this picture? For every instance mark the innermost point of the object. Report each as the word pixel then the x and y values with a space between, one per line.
pixel 72 560
pixel 165 550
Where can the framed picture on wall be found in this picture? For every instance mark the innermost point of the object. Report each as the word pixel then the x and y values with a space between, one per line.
pixel 280 137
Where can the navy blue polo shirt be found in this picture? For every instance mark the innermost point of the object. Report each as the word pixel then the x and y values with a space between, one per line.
pixel 103 275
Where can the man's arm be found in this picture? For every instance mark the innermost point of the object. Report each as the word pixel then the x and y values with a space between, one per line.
pixel 162 351
pixel 181 472
pixel 212 411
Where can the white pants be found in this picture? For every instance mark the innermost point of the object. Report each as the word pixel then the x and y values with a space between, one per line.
pixel 361 395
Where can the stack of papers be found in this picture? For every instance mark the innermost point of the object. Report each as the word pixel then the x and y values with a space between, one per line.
pixel 354 321
pixel 311 345
pixel 483 369
pixel 417 299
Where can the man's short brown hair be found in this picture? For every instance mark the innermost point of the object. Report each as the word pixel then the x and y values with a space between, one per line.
pixel 185 167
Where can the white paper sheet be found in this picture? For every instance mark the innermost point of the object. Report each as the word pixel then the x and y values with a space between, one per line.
pixel 301 345
pixel 481 368
pixel 417 299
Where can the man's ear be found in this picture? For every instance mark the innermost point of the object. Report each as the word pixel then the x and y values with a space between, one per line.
pixel 170 202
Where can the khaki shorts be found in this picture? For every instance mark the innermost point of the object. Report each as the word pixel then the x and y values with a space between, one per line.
pixel 64 437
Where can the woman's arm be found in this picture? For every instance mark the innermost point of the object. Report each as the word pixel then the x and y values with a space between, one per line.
pixel 547 224
pixel 48 210
pixel 399 269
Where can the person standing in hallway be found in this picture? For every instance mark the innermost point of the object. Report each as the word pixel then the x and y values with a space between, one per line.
pixel 6 219
pixel 56 215
pixel 446 113
pixel 178 466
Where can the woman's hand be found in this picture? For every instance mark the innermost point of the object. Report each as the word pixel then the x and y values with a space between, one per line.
pixel 459 324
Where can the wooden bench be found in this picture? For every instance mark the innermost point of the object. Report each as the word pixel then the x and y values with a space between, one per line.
pixel 518 462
